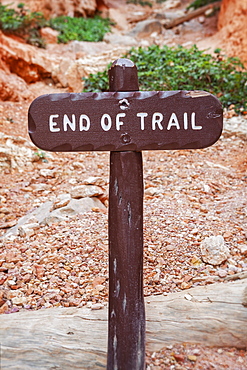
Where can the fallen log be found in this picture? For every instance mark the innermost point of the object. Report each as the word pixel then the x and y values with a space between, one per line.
pixel 193 14
pixel 215 315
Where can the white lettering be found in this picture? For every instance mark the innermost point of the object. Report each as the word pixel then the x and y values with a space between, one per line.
pixel 104 125
pixel 173 121
pixel 84 117
pixel 193 122
pixel 156 119
pixel 67 122
pixel 118 122
pixel 142 115
pixel 52 124
pixel 186 121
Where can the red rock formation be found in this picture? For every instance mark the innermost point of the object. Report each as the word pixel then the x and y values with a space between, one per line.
pixel 52 8
pixel 232 24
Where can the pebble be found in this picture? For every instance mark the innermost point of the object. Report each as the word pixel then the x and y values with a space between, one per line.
pixel 243 249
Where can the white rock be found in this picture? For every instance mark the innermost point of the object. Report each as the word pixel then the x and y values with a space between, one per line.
pixel 243 249
pixel 28 230
pixel 19 300
pixel 172 4
pixel 83 191
pixel 118 39
pixel 46 172
pixel 62 200
pixel 15 152
pixel 74 207
pixel 146 28
pixel 214 250
pixel 93 180
pixel 152 191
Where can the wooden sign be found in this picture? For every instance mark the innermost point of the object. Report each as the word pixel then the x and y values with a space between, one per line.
pixel 125 121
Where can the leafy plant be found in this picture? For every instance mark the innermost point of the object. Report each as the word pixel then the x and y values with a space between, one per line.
pixel 81 29
pixel 23 23
pixel 178 68
pixel 41 155
pixel 140 2
pixel 199 3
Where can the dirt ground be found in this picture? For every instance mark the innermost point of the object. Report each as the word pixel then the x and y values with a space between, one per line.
pixel 189 195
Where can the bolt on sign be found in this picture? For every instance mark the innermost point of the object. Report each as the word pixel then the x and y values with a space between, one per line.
pixel 125 121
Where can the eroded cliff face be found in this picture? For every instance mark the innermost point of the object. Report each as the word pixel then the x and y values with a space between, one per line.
pixel 232 24
pixel 52 8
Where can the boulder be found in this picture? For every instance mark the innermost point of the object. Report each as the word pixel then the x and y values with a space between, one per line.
pixel 15 152
pixel 13 88
pixel 26 61
pixel 49 35
pixel 48 213
pixel 214 250
pixel 146 28
pixel 119 17
pixel 118 39
pixel 232 26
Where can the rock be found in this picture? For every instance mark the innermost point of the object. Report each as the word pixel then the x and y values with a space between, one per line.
pixel 146 28
pixel 4 308
pixel 37 216
pixel 28 229
pixel 61 201
pixel 152 191
pixel 93 180
pixel 49 213
pixel 86 47
pixel 74 207
pixel 172 4
pixel 54 8
pixel 112 3
pixel 232 26
pixel 214 250
pixel 118 39
pixel 243 249
pixel 118 16
pixel 13 88
pixel 47 172
pixel 26 61
pixel 170 15
pixel 60 71
pixel 49 35
pixel 15 152
pixel 19 301
pixel 83 191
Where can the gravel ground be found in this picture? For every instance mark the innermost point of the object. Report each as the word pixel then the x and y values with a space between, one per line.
pixel 189 195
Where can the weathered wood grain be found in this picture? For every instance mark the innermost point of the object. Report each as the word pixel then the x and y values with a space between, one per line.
pixel 126 316
pixel 71 338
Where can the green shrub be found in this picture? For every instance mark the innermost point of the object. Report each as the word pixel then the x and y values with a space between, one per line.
pixel 199 3
pixel 22 23
pixel 27 25
pixel 178 68
pixel 140 2
pixel 81 29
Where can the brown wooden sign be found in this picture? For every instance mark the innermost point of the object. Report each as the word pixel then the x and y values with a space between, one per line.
pixel 125 121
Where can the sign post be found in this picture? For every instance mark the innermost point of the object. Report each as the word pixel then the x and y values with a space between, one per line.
pixel 126 318
pixel 125 121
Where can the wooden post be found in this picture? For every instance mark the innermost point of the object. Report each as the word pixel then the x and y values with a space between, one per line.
pixel 126 327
